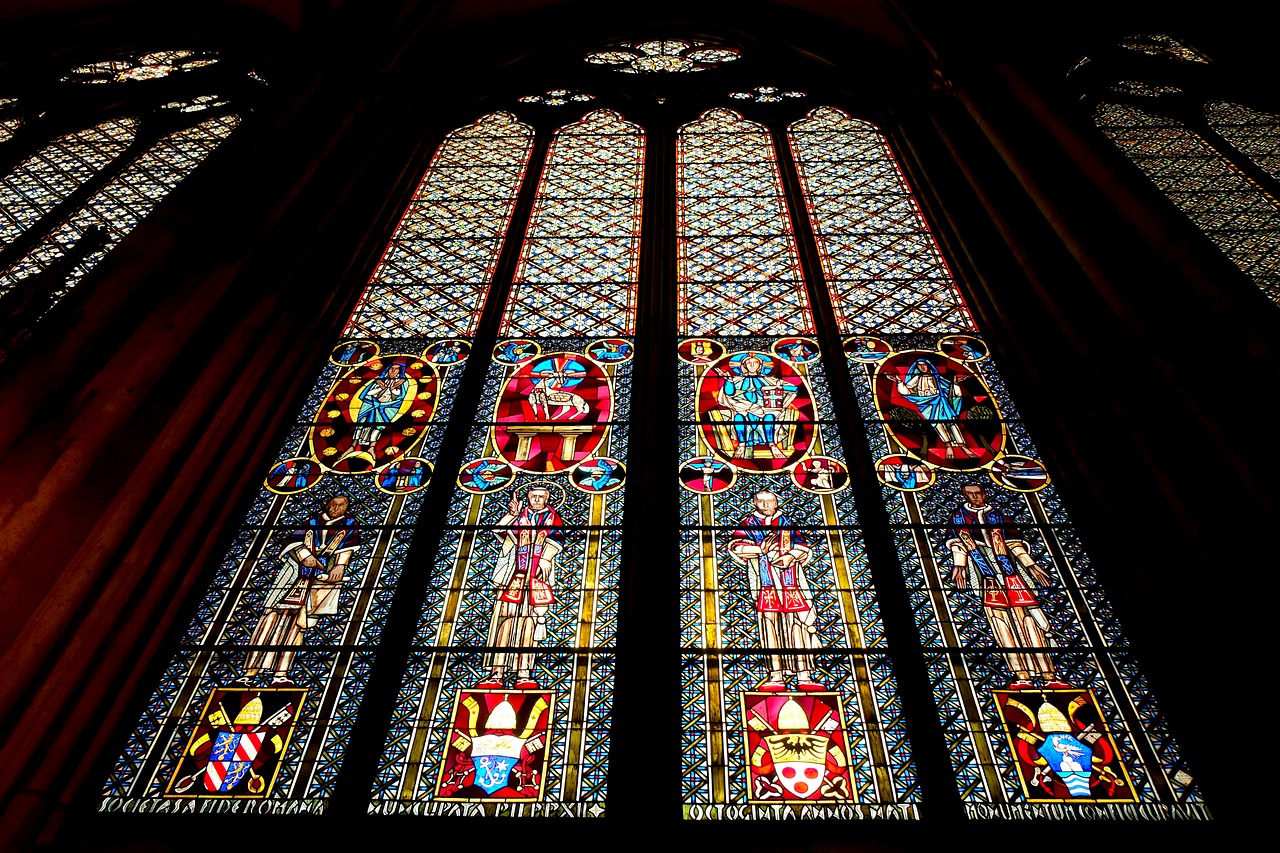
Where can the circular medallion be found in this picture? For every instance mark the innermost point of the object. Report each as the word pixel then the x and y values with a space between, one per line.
pixel 700 350
pixel 821 475
pixel 1019 473
pixel 404 476
pixel 447 352
pixel 796 350
pixel 905 473
pixel 599 475
pixel 963 348
pixel 706 475
pixel 293 475
pixel 353 353
pixel 515 350
pixel 484 475
pixel 610 350
pixel 866 349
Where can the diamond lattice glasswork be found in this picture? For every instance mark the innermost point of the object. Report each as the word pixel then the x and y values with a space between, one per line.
pixel 1255 133
pixel 785 663
pixel 1160 44
pixel 881 262
pixel 143 66
pixel 435 274
pixel 1230 208
pixel 506 703
pixel 125 201
pixel 40 182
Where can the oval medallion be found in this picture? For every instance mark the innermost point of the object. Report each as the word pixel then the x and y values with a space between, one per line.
pixel 938 410
pixel 756 412
pixel 553 412
pixel 374 414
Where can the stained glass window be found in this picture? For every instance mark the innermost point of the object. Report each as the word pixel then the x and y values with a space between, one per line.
pixel 1229 207
pixel 254 710
pixel 47 177
pixel 1043 706
pixel 507 698
pixel 1161 44
pixel 1143 90
pixel 766 95
pixel 789 707
pixel 197 104
pixel 788 703
pixel 558 98
pixel 667 56
pixel 125 201
pixel 144 66
pixel 1254 133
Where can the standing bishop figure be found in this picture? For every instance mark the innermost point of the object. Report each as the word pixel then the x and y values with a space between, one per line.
pixel 525 574
pixel 774 554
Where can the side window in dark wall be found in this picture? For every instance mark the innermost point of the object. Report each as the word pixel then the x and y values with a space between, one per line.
pixel 91 155
pixel 1215 159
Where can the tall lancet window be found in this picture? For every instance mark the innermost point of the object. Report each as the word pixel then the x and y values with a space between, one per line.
pixel 46 178
pixel 1215 159
pixel 79 181
pixel 1042 702
pixel 1229 206
pixel 787 696
pixel 507 698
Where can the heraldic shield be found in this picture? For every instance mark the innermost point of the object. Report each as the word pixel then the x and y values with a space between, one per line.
pixel 1063 748
pixel 498 746
pixel 237 747
pixel 797 748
